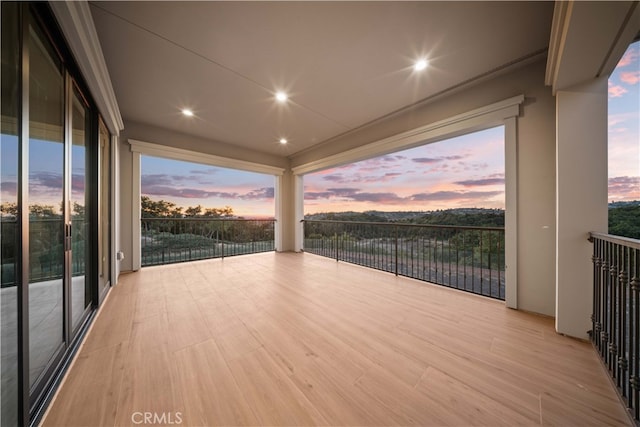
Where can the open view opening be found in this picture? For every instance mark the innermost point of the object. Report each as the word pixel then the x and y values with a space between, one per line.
pixel 434 212
pixel 191 211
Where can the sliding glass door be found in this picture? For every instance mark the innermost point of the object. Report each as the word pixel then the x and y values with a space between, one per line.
pixel 51 158
pixel 9 231
pixel 78 223
pixel 46 195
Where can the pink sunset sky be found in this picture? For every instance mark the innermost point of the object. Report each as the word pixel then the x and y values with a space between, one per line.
pixel 466 171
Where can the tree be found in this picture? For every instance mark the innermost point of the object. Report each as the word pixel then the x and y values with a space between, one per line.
pixel 193 211
pixel 10 209
pixel 42 211
pixel 159 209
pixel 78 210
pixel 225 212
pixel 164 209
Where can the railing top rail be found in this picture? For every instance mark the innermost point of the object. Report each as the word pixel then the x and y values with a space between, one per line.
pixel 208 219
pixel 457 227
pixel 626 241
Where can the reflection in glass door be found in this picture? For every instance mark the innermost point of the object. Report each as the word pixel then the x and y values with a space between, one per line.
pixel 46 205
pixel 104 214
pixel 80 291
pixel 9 231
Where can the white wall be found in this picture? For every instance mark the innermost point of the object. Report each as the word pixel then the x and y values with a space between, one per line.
pixel 581 199
pixel 535 167
pixel 125 177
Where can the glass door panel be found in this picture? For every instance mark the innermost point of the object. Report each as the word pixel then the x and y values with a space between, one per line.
pixel 80 291
pixel 104 215
pixel 9 230
pixel 46 196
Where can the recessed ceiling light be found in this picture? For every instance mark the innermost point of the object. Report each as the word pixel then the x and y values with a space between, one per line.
pixel 187 112
pixel 281 97
pixel 421 64
pixel 283 141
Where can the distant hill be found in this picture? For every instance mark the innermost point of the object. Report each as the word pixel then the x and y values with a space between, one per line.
pixel 624 217
pixel 464 216
pixel 468 217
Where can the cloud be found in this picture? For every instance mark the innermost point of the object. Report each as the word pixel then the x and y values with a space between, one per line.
pixel 154 179
pixel 432 160
pixel 46 179
pixel 383 198
pixel 354 194
pixel 10 188
pixel 77 183
pixel 336 177
pixel 480 182
pixel 187 193
pixel 317 195
pixel 628 58
pixel 260 193
pixel 343 192
pixel 616 91
pixel 454 195
pixel 630 77
pixel 169 180
pixel 210 171
pixel 627 186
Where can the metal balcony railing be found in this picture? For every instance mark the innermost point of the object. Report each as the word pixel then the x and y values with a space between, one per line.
pixel 616 312
pixel 466 258
pixel 46 252
pixel 169 240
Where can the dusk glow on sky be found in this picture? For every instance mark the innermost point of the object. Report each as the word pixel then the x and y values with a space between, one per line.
pixel 467 171
pixel 624 127
pixel 189 184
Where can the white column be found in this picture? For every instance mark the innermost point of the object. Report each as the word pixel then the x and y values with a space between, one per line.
pixel 289 205
pixel 298 199
pixel 511 211
pixel 581 198
pixel 136 232
pixel 279 230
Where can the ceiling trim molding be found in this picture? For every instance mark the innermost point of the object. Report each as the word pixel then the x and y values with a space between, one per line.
pixel 559 27
pixel 174 153
pixel 76 22
pixel 480 118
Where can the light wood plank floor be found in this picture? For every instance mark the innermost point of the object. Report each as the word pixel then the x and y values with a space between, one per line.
pixel 297 339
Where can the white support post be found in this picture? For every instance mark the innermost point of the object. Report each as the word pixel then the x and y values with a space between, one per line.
pixel 136 229
pixel 581 199
pixel 511 211
pixel 279 225
pixel 298 197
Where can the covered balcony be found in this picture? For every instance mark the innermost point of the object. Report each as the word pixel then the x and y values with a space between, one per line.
pixel 300 339
pixel 546 334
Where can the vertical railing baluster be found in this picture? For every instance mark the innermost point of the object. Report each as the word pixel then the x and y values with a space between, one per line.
pixel 616 313
pixel 635 377
pixel 396 246
pixel 623 328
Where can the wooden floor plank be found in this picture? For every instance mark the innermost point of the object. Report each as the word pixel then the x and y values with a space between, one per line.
pixel 297 339
pixel 214 397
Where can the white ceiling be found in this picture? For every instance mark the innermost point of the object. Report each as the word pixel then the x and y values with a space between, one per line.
pixel 343 64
